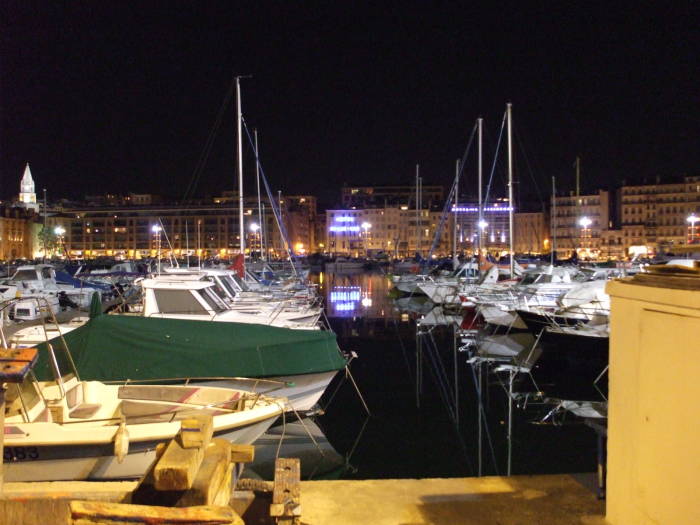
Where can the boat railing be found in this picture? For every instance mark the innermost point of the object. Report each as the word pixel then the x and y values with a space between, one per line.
pixel 185 381
pixel 44 305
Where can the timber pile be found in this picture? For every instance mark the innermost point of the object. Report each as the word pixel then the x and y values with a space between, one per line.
pixel 190 482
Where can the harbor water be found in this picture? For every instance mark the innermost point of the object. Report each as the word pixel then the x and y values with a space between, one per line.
pixel 425 423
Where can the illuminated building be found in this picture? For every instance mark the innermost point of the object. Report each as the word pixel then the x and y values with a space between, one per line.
pixel 655 216
pixel 396 232
pixel 566 223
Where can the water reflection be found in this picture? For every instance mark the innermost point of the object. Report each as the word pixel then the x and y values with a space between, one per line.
pixel 363 295
pixel 423 394
pixel 302 439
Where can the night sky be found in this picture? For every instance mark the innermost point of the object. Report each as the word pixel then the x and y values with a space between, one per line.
pixel 122 96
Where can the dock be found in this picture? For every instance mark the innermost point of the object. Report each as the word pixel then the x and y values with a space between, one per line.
pixel 518 500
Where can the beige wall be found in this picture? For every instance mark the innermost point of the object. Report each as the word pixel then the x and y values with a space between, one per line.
pixel 654 419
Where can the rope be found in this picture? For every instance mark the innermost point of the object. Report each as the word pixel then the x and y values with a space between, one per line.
pixel 482 416
pixel 450 198
pixel 274 203
pixel 256 485
pixel 204 155
pixel 495 160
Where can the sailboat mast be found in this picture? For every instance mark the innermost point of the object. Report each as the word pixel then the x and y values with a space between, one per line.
pixel 239 119
pixel 417 208
pixel 554 220
pixel 480 221
pixel 454 222
pixel 510 191
pixel 257 177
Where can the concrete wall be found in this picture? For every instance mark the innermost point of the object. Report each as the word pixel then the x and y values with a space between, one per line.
pixel 654 423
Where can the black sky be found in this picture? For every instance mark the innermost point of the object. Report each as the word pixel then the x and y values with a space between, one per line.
pixel 121 96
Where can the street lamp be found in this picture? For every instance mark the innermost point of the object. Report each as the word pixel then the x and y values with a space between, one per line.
pixel 585 223
pixel 59 231
pixel 156 229
pixel 366 226
pixel 692 219
pixel 255 227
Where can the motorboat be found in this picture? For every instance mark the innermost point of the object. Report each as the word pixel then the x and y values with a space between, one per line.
pixel 69 429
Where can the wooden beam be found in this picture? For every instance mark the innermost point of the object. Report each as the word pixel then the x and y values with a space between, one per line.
pixel 242 453
pixel 177 467
pixel 101 513
pixel 196 431
pixel 286 495
pixel 212 475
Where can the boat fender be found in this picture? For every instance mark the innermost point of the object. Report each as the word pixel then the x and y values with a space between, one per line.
pixel 121 442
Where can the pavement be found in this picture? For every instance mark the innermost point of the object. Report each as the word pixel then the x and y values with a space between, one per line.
pixel 518 500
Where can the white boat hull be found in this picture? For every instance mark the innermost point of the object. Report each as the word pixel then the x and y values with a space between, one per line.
pixel 495 316
pixel 302 391
pixel 84 464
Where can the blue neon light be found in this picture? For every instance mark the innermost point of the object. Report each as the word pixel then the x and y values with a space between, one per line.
pixel 345 219
pixel 345 296
pixel 345 307
pixel 344 229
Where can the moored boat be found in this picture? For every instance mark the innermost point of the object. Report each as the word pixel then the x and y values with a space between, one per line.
pixel 68 429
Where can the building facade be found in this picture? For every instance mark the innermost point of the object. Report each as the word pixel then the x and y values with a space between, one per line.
pixel 531 233
pixel 392 231
pixel 657 217
pixel 577 223
pixel 199 229
pixel 17 233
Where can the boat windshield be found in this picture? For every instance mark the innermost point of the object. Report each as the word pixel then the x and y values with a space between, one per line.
pixel 217 288
pixel 178 302
pixel 529 278
pixel 228 283
pixel 240 282
pixel 25 275
pixel 211 299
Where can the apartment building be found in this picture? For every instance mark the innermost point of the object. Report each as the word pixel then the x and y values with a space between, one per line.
pixel 578 221
pixel 394 231
pixel 657 217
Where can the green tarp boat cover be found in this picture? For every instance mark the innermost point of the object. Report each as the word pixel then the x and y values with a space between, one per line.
pixel 118 347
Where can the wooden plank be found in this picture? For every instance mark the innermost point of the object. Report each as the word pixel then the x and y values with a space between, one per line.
pixel 223 495
pixel 211 476
pixel 15 363
pixel 286 495
pixel 196 431
pixel 177 467
pixel 92 512
pixel 242 453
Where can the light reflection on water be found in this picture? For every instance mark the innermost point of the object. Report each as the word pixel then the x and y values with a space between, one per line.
pixel 380 327
pixel 363 295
